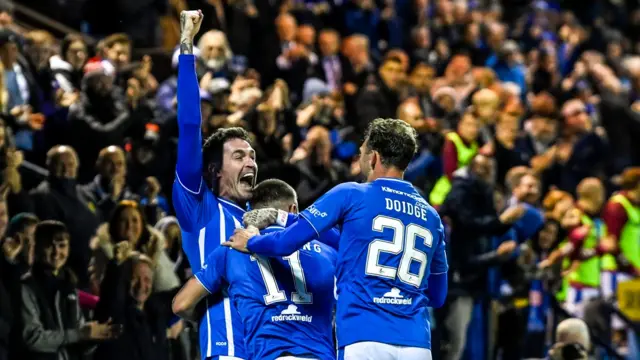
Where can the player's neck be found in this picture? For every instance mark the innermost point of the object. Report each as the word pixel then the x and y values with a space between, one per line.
pixel 388 173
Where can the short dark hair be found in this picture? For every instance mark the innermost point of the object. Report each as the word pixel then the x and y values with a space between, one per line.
pixel 212 152
pixel 273 193
pixel 45 232
pixel 394 140
pixel 20 222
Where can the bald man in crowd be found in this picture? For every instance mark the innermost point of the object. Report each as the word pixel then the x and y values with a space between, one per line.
pixel 109 187
pixel 59 197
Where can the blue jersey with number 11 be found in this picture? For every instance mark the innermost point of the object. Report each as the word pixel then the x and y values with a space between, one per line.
pixel 286 303
pixel 391 241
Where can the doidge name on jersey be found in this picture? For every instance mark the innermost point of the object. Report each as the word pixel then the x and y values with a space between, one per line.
pixel 417 209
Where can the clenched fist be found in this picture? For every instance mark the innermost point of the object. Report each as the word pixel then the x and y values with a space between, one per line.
pixel 190 22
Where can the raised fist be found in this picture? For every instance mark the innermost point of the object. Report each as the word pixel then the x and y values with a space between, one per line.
pixel 190 21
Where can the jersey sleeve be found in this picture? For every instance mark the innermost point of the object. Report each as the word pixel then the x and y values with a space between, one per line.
pixel 330 208
pixel 213 274
pixel 314 221
pixel 439 263
pixel 193 203
pixel 330 237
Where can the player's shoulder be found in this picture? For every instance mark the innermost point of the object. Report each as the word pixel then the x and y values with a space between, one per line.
pixel 350 186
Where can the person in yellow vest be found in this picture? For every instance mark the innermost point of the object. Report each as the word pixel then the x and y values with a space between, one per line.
pixel 578 251
pixel 458 150
pixel 621 248
pixel 622 218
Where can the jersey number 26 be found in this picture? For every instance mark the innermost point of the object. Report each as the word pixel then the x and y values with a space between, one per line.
pixel 404 242
pixel 274 294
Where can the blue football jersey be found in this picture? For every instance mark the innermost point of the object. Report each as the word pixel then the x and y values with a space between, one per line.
pixel 286 303
pixel 206 221
pixel 391 240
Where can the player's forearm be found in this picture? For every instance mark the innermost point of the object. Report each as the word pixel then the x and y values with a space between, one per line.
pixel 189 164
pixel 283 243
pixel 185 301
pixel 437 290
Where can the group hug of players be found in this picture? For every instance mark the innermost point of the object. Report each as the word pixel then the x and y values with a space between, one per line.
pixel 371 255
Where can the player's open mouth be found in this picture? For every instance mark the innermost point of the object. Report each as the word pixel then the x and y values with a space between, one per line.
pixel 247 179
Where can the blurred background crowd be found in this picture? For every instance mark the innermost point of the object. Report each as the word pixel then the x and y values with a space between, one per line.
pixel 526 112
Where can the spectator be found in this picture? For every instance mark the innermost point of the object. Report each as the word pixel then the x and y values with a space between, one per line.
pixel 470 252
pixel 68 66
pixel 331 65
pixel 217 57
pixel 101 119
pixel 459 149
pixel 128 224
pixel 572 341
pixel 60 198
pixel 109 187
pixel 54 326
pixel 380 98
pixel 127 299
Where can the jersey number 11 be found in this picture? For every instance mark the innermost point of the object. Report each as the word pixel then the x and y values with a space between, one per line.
pixel 274 294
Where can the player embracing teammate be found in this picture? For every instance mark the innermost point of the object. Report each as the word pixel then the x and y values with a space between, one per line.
pixel 276 302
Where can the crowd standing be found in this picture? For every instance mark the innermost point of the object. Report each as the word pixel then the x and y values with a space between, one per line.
pixel 527 115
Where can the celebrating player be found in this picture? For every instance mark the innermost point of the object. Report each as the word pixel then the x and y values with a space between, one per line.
pixel 391 262
pixel 286 303
pixel 209 207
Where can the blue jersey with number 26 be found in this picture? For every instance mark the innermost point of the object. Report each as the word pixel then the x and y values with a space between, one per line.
pixel 391 241
pixel 286 303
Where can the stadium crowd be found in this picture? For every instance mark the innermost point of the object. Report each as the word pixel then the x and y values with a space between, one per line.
pixel 526 111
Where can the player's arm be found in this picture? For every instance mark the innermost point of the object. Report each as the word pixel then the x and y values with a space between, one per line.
pixel 437 283
pixel 261 218
pixel 325 213
pixel 193 208
pixel 207 281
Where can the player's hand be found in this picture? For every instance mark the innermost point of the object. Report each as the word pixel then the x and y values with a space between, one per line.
pixel 190 21
pixel 260 218
pixel 240 238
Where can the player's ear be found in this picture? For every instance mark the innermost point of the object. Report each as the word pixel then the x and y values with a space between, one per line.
pixel 373 160
pixel 293 209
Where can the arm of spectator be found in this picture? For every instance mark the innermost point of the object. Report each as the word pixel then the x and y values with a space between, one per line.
pixel 615 217
pixel 467 217
pixel 283 62
pixel 557 255
pixel 449 158
pixel 304 116
pixel 120 123
pixel 35 337
pixel 494 257
pixel 113 293
pixel 542 162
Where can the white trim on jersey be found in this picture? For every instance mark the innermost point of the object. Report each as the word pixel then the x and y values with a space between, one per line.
pixel 230 204
pixel 231 349
pixel 201 238
pixel 186 188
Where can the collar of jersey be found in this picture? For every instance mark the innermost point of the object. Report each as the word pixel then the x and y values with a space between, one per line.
pixel 231 204
pixel 392 179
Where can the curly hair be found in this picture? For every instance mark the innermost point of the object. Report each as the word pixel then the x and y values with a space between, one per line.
pixel 395 141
